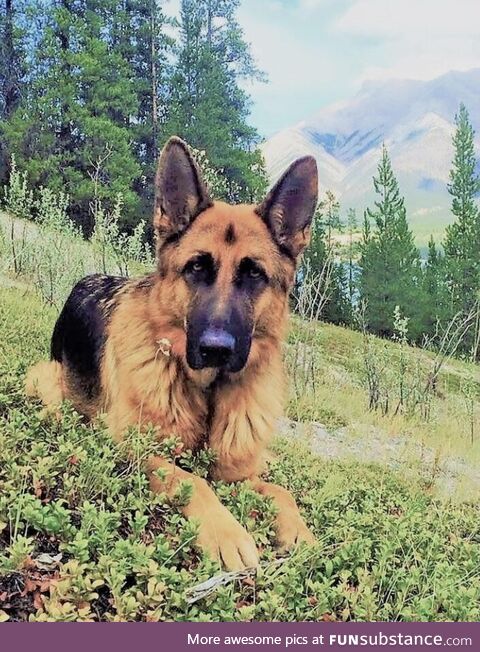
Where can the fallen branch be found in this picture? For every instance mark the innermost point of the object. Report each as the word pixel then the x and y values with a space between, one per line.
pixel 202 590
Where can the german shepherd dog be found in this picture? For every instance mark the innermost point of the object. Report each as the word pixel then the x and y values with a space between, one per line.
pixel 194 349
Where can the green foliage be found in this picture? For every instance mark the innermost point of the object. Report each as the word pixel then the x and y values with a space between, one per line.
pixel 111 245
pixel 462 241
pixel 321 287
pixel 52 253
pixel 17 196
pixel 216 182
pixel 103 89
pixel 141 37
pixel 18 201
pixel 390 273
pixel 330 207
pixel 73 120
pixel 436 292
pixel 395 380
pixel 13 46
pixel 207 107
pixel 83 538
pixel 352 253
pixel 59 246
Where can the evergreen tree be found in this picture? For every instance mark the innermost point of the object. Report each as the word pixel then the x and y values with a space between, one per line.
pixel 139 36
pixel 462 241
pixel 322 273
pixel 12 69
pixel 331 210
pixel 389 265
pixel 338 309
pixel 101 92
pixel 434 289
pixel 208 108
pixel 352 225
pixel 72 131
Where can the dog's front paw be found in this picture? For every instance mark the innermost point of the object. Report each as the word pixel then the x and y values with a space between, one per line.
pixel 291 530
pixel 227 541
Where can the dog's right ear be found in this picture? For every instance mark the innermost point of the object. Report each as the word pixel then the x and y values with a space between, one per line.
pixel 180 193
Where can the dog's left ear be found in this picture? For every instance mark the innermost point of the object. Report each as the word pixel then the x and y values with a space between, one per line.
pixel 289 206
pixel 180 192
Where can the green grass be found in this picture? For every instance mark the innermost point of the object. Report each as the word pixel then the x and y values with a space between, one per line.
pixel 329 386
pixel 387 549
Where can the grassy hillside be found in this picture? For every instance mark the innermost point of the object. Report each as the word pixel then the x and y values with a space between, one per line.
pixel 82 538
pixel 435 433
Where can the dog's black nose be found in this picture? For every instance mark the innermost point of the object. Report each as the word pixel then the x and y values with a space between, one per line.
pixel 216 347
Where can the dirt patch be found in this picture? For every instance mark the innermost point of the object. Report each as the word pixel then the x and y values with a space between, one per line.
pixel 447 475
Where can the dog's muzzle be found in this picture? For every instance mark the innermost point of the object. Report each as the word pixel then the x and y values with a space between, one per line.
pixel 216 347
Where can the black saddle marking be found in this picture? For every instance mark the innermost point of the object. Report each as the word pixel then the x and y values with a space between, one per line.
pixel 78 337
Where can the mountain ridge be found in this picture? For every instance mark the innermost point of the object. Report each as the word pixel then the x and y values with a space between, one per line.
pixel 414 118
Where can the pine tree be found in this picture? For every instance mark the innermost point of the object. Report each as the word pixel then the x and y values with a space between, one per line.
pixel 389 266
pixel 12 69
pixel 352 225
pixel 316 253
pixel 72 131
pixel 331 209
pixel 139 36
pixel 431 273
pixel 208 108
pixel 323 272
pixel 434 290
pixel 462 240
pixel 101 93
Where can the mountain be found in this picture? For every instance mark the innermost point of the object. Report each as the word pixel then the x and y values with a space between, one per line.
pixel 416 121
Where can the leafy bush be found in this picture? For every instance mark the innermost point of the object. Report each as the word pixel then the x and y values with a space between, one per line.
pixel 114 250
pixel 51 252
pixel 58 253
pixel 83 538
pixel 17 199
pixel 17 196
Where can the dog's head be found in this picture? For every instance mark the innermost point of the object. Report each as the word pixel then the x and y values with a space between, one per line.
pixel 227 270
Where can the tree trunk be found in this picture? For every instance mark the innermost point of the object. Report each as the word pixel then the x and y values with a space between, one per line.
pixel 64 39
pixel 153 55
pixel 10 85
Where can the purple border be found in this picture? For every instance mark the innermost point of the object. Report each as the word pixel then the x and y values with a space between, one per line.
pixel 132 637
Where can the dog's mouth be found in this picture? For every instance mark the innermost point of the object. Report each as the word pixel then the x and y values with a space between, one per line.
pixel 218 348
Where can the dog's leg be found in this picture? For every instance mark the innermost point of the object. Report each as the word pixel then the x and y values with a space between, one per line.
pixel 219 534
pixel 243 424
pixel 290 527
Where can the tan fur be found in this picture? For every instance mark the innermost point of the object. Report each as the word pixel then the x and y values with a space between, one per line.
pixel 45 381
pixel 145 378
pixel 219 533
pixel 149 386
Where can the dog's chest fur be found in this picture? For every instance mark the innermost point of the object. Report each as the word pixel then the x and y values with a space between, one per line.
pixel 144 382
pixel 121 360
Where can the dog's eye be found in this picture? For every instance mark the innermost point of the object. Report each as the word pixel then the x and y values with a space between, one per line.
pixel 199 264
pixel 200 269
pixel 249 269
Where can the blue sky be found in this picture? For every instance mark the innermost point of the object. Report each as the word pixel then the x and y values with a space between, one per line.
pixel 316 52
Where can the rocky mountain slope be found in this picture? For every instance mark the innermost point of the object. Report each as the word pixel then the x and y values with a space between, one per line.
pixel 416 121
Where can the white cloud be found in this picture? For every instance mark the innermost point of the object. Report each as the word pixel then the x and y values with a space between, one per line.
pixel 420 39
pixel 318 51
pixel 406 17
pixel 312 5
